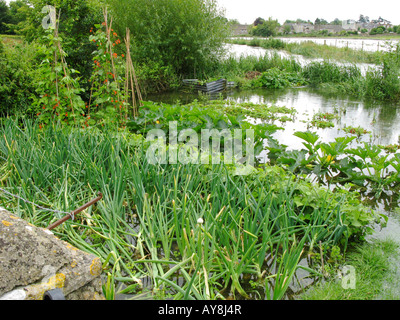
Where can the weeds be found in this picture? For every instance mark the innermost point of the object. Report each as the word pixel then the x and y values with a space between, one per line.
pixel 371 262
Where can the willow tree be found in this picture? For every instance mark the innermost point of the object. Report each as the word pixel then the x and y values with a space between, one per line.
pixel 185 35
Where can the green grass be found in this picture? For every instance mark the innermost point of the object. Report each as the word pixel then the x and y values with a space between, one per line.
pixel 11 39
pixel 376 275
pixel 379 84
pixel 233 68
pixel 392 36
pixel 312 50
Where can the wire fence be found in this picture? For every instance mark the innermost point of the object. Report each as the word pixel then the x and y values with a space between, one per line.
pixel 36 205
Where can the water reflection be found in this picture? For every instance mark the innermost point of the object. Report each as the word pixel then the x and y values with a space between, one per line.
pixel 382 119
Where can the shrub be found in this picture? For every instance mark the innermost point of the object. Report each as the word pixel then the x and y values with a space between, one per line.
pixel 378 30
pixel 187 36
pixel 16 83
pixel 5 17
pixel 153 77
pixel 267 28
pixel 273 44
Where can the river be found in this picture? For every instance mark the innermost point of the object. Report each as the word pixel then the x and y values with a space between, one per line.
pixel 237 50
pixel 382 119
pixel 370 45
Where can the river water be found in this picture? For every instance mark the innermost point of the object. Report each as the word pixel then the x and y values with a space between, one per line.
pixel 237 50
pixel 381 119
pixel 370 45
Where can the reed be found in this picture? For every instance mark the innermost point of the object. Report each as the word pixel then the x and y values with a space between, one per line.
pixel 238 66
pixel 312 50
pixel 329 72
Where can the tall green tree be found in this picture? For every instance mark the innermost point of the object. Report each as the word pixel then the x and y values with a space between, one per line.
pixel 19 11
pixel 76 18
pixel 184 35
pixel 319 21
pixel 269 28
pixel 5 17
pixel 258 21
pixel 336 22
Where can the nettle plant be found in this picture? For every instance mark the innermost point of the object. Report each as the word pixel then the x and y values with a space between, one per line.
pixel 58 91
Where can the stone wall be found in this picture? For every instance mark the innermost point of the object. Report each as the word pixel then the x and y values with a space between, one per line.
pixel 33 261
pixel 240 29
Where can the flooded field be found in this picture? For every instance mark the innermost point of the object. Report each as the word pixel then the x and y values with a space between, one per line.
pixel 357 44
pixel 370 45
pixel 237 50
pixel 381 120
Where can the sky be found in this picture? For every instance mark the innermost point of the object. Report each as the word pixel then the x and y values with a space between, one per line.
pixel 246 11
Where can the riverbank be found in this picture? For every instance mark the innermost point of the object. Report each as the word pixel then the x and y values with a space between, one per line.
pixel 369 272
pixel 392 36
pixel 335 69
pixel 321 50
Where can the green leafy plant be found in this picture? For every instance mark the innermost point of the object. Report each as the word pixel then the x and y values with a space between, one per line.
pixel 187 36
pixel 278 79
pixel 108 101
pixel 358 131
pixel 58 93
pixel 154 221
pixel 323 120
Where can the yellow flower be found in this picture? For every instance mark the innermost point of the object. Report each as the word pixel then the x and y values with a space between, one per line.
pixel 329 159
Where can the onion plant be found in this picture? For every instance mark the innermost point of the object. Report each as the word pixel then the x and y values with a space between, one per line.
pixel 200 224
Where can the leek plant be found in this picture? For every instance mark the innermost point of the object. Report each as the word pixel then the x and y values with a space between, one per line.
pixel 200 224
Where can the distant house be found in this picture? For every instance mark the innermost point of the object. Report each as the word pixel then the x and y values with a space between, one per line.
pixel 368 26
pixel 301 27
pixel 328 27
pixel 240 29
pixel 383 23
pixel 349 25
